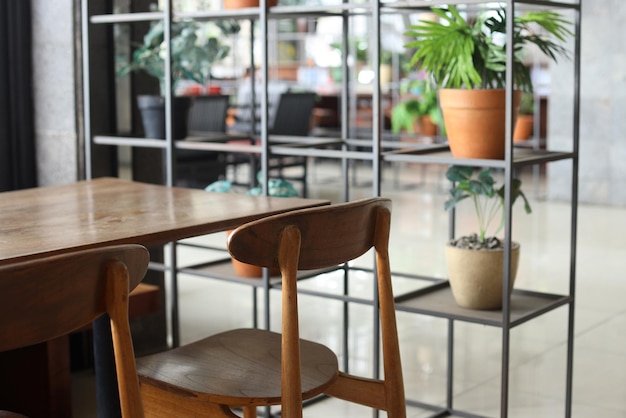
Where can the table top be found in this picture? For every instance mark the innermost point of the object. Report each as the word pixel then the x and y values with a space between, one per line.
pixel 50 220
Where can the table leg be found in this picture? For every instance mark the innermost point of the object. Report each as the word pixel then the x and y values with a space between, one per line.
pixel 107 396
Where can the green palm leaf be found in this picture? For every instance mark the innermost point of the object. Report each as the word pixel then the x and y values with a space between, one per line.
pixel 460 55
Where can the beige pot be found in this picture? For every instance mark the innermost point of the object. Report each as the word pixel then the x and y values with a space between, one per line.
pixel 476 276
pixel 475 121
pixel 386 74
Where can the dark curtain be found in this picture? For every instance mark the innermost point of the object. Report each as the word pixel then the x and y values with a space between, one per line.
pixel 17 143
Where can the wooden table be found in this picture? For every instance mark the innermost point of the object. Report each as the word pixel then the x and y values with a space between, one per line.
pixel 41 222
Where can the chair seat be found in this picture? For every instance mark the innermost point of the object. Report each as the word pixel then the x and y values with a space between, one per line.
pixel 213 368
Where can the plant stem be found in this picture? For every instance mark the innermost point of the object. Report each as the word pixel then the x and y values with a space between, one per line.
pixel 480 204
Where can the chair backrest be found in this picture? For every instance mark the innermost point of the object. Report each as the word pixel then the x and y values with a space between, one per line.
pixel 208 113
pixel 316 238
pixel 44 299
pixel 293 114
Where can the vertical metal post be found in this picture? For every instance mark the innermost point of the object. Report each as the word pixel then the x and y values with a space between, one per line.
pixel 377 116
pixel 345 91
pixel 450 373
pixel 376 167
pixel 265 146
pixel 173 329
pixel 253 110
pixel 86 86
pixel 574 216
pixel 169 92
pixel 508 178
pixel 264 97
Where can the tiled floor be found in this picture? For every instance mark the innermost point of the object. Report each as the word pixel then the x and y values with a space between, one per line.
pixel 537 357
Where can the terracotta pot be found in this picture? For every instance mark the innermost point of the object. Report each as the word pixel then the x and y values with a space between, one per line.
pixel 241 4
pixel 523 127
pixel 475 121
pixel 476 276
pixel 249 270
pixel 427 127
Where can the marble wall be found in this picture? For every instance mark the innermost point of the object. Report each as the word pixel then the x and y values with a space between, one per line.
pixel 54 91
pixel 603 100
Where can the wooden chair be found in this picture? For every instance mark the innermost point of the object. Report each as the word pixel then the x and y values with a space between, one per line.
pixel 250 367
pixel 44 299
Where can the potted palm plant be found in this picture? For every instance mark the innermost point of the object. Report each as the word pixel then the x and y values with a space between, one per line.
pixel 475 262
pixel 467 60
pixel 195 47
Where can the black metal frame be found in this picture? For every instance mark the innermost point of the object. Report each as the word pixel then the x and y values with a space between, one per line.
pixel 342 149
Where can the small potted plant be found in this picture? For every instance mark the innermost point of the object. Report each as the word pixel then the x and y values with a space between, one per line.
pixel 195 47
pixel 476 262
pixel 418 114
pixel 525 123
pixel 276 188
pixel 467 60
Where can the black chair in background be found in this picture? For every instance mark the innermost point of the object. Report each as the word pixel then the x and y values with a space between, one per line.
pixel 292 118
pixel 207 116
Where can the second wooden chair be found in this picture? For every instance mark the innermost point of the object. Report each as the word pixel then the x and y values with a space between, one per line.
pixel 44 299
pixel 248 368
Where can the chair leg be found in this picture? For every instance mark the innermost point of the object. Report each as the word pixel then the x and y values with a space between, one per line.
pixel 305 190
pixel 249 412
pixel 161 403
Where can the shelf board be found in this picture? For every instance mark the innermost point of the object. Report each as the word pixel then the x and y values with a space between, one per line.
pixel 127 17
pixel 437 154
pixel 437 300
pixel 523 4
pixel 223 269
pixel 282 12
pixel 130 141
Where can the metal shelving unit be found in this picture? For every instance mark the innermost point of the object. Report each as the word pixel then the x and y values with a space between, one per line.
pixel 519 306
pixel 435 299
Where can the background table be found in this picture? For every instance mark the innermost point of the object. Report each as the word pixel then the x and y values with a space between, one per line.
pixel 41 222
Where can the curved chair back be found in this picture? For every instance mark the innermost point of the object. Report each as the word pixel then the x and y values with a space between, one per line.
pixel 293 114
pixel 208 114
pixel 324 237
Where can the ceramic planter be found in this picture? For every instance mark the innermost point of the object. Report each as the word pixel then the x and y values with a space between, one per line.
pixel 249 271
pixel 427 126
pixel 242 4
pixel 475 121
pixel 523 127
pixel 476 276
